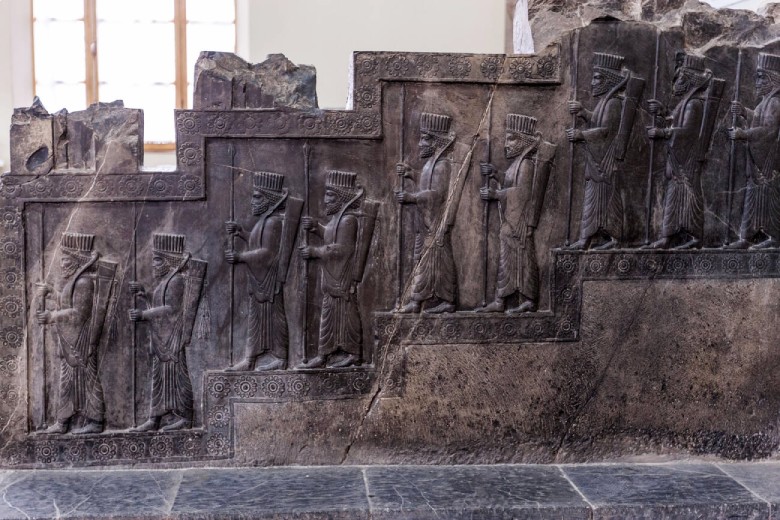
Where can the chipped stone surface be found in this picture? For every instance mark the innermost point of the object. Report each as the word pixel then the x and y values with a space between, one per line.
pixel 223 81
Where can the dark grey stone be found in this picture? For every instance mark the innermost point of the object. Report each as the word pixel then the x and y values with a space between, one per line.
pixel 295 493
pixel 666 491
pixel 463 492
pixel 88 494
pixel 762 478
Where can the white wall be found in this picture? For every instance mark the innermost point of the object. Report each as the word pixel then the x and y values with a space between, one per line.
pixel 324 33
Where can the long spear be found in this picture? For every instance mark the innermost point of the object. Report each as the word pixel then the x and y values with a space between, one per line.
pixel 399 216
pixel 733 153
pixel 486 212
pixel 574 57
pixel 232 154
pixel 305 242
pixel 651 167
pixel 135 304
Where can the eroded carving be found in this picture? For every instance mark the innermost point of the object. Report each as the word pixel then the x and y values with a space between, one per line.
pixel 346 239
pixel 267 258
pixel 520 198
pixel 170 315
pixel 605 143
pixel 760 131
pixel 435 282
pixel 78 321
pixel 688 137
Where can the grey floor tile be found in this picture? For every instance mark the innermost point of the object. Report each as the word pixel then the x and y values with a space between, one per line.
pixel 665 491
pixel 472 492
pixel 762 478
pixel 88 494
pixel 273 493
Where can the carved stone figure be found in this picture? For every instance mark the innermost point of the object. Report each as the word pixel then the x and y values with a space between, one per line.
pixel 761 208
pixel 688 138
pixel 435 276
pixel 267 257
pixel 78 321
pixel 171 317
pixel 520 200
pixel 346 240
pixel 605 140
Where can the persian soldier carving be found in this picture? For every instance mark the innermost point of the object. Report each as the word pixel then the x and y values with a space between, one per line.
pixel 171 316
pixel 520 200
pixel 605 140
pixel 267 258
pixel 688 137
pixel 78 322
pixel 343 255
pixel 435 277
pixel 761 208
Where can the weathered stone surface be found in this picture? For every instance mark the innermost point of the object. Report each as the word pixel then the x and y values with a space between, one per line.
pixel 565 257
pixel 223 81
pixel 32 148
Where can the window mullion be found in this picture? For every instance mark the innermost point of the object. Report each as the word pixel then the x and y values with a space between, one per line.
pixel 90 46
pixel 180 28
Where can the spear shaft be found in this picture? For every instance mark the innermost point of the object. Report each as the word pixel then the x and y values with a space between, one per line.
pixel 486 212
pixel 733 152
pixel 574 57
pixel 305 243
pixel 232 154
pixel 399 268
pixel 651 167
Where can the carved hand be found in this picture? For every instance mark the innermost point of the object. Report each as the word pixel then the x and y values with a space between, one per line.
pixel 486 168
pixel 307 252
pixel 404 197
pixel 136 288
pixel 486 193
pixel 43 317
pixel 232 257
pixel 737 134
pixel 402 169
pixel 737 109
pixel 308 223
pixel 573 135
pixel 654 132
pixel 575 107
pixel 43 289
pixel 136 315
pixel 232 228
pixel 654 107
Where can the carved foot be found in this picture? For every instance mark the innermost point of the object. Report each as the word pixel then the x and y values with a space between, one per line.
pixel 441 308
pixel 58 427
pixel 275 364
pixel 579 245
pixel 410 308
pixel 317 362
pixel 90 427
pixel 526 306
pixel 496 306
pixel 766 244
pixel 244 366
pixel 346 361
pixel 693 243
pixel 658 244
pixel 611 244
pixel 181 424
pixel 151 425
pixel 739 244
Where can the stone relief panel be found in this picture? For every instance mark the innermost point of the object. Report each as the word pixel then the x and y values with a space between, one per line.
pixel 301 261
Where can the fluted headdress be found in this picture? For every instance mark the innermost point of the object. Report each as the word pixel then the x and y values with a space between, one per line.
pixel 168 243
pixel 768 62
pixel 77 245
pixel 612 62
pixel 521 124
pixel 268 181
pixel 341 180
pixel 694 63
pixel 435 123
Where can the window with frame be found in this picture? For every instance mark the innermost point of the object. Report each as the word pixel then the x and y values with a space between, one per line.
pixel 142 52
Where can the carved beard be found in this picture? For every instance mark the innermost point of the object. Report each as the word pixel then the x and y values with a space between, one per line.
pixel 161 270
pixel 331 208
pixel 680 87
pixel 427 151
pixel 767 85
pixel 519 147
pixel 67 272
pixel 261 206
